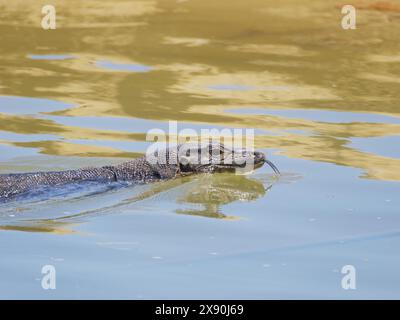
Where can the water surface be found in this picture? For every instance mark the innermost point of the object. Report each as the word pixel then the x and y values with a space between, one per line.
pixel 324 103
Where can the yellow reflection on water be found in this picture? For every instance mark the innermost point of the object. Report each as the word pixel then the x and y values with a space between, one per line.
pixel 55 227
pixel 200 60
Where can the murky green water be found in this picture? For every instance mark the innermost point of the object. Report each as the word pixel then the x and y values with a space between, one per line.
pixel 324 103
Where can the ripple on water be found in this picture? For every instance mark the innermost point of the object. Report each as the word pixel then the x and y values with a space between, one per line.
pixel 19 137
pixel 9 152
pixel 127 67
pixel 240 87
pixel 237 87
pixel 27 105
pixel 67 200
pixel 322 115
pixel 383 146
pixel 134 125
pixel 50 56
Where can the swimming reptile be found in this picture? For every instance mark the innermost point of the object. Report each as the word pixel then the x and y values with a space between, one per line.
pixel 181 160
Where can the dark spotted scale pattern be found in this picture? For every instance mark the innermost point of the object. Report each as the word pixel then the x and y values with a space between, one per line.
pixel 212 155
pixel 138 170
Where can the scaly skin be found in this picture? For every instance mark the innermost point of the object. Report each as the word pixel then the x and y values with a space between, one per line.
pixel 138 171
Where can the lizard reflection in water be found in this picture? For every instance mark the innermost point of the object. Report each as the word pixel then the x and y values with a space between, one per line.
pixel 213 191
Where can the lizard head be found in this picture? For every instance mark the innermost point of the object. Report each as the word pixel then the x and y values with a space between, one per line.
pixel 215 157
